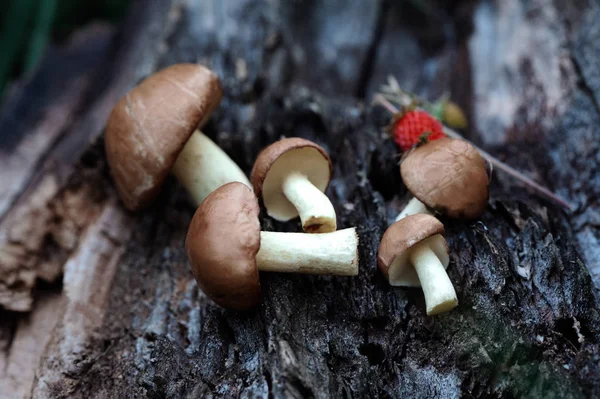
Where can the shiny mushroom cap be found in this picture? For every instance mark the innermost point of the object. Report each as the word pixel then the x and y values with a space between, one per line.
pixel 449 176
pixel 151 124
pixel 222 243
pixel 277 161
pixel 400 237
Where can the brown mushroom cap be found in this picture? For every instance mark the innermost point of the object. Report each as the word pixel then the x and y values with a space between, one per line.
pixel 276 161
pixel 150 125
pixel 449 176
pixel 222 243
pixel 400 237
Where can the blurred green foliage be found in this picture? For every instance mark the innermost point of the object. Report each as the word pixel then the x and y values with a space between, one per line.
pixel 27 26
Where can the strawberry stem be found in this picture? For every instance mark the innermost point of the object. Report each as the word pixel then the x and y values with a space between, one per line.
pixel 544 192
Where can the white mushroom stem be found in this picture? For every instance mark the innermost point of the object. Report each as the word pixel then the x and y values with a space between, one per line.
pixel 315 210
pixel 437 287
pixel 202 167
pixel 413 207
pixel 330 253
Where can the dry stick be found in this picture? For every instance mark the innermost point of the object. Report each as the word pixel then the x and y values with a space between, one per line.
pixel 379 99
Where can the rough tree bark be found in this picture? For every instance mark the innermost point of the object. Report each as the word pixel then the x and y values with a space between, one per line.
pixel 101 303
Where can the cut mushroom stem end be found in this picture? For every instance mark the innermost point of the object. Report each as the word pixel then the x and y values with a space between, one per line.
pixel 202 167
pixel 330 253
pixel 316 211
pixel 439 292
pixel 413 207
pixel 227 249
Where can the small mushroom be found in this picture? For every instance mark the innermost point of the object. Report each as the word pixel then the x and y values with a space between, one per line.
pixel 292 175
pixel 152 131
pixel 414 253
pixel 447 175
pixel 227 249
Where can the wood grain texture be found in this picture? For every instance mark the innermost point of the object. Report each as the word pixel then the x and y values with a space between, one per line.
pixel 528 320
pixel 40 228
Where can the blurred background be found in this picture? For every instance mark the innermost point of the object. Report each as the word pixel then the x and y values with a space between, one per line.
pixel 28 26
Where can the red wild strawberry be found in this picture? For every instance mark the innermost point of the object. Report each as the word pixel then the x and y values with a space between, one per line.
pixel 409 128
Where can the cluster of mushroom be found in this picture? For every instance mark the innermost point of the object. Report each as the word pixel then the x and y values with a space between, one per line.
pixel 448 177
pixel 227 248
pixel 153 130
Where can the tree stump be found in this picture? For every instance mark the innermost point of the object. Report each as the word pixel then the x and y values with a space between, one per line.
pixel 101 303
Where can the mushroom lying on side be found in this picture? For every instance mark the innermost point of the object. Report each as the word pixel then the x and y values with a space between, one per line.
pixel 414 253
pixel 292 175
pixel 152 130
pixel 448 176
pixel 227 249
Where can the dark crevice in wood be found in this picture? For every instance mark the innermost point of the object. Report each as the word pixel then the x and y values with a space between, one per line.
pixel 10 322
pixel 366 71
pixel 582 84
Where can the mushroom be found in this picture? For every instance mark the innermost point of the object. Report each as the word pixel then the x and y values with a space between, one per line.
pixel 292 175
pixel 227 249
pixel 447 175
pixel 152 130
pixel 414 253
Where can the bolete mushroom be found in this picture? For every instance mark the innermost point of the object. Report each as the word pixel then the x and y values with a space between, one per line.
pixel 227 249
pixel 448 176
pixel 292 175
pixel 152 131
pixel 413 253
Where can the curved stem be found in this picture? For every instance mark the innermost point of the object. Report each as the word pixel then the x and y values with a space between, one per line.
pixel 202 167
pixel 330 253
pixel 437 287
pixel 315 210
pixel 413 207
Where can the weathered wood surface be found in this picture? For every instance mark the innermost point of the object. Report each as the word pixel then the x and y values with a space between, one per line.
pixel 126 318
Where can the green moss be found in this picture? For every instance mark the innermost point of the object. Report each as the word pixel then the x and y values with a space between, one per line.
pixel 514 365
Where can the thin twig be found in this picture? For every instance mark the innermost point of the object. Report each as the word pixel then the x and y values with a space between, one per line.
pixel 544 192
pixel 381 100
